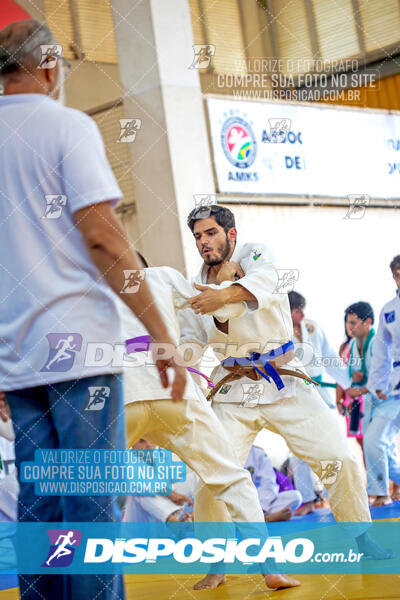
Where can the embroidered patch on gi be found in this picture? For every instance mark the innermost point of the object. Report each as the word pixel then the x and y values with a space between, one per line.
pixel 390 316
pixel 224 389
pixel 256 255
pixel 310 328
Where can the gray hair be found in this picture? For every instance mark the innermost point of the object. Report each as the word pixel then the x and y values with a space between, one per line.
pixel 20 45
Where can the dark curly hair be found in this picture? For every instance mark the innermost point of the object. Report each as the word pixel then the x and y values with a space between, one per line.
pixel 223 216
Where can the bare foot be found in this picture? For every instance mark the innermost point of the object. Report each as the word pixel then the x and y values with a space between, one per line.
pixel 370 549
pixel 209 582
pixel 277 582
pixel 381 501
pixel 308 507
pixel 323 503
pixel 280 515
pixel 396 491
pixel 371 499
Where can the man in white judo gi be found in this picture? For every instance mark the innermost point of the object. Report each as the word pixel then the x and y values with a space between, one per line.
pixel 190 427
pixel 261 339
pixel 319 357
pixel 384 385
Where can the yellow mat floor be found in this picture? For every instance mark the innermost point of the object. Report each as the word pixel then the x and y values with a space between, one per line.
pixel 245 587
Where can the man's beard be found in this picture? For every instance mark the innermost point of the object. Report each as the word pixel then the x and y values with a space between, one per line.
pixel 223 251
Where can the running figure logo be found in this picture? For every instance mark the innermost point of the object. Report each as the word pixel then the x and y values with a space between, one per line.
pixel 329 471
pixel 133 279
pixel 202 56
pixel 279 129
pixel 286 280
pixel 128 130
pixel 204 199
pixel 54 206
pixel 357 206
pixel 62 547
pixel 98 395
pixel 252 393
pixel 63 347
pixel 203 203
pixel 50 55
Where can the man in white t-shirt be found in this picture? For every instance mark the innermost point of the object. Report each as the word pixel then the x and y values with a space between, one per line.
pixel 63 258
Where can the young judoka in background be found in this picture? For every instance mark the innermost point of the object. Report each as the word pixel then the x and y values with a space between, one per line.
pixel 296 412
pixel 190 427
pixel 359 319
pixel 343 402
pixel 277 506
pixel 384 385
pixel 319 358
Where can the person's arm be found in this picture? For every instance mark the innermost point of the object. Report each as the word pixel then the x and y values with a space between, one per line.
pixel 89 185
pixel 340 396
pixel 112 253
pixel 355 392
pixel 256 288
pixel 161 508
pixel 230 271
pixel 358 376
pixel 180 499
pixel 5 413
pixel 381 361
pixel 210 300
pixel 223 313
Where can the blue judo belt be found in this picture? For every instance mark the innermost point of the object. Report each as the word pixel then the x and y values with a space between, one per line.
pixel 262 360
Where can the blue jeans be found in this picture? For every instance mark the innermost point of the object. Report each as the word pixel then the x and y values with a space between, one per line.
pixel 56 416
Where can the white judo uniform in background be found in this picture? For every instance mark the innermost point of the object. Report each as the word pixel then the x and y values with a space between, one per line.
pixel 146 509
pixel 324 359
pixel 384 374
pixel 264 478
pixel 296 412
pixel 188 428
pixel 318 357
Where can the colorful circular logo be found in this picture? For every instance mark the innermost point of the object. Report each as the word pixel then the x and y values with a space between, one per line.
pixel 238 142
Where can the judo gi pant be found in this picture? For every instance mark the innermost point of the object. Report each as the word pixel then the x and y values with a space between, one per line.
pixel 307 425
pixel 52 417
pixel 191 430
pixel 302 474
pixel 381 459
pixel 303 478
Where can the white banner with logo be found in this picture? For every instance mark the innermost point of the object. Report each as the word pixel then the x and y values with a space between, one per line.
pixel 274 148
